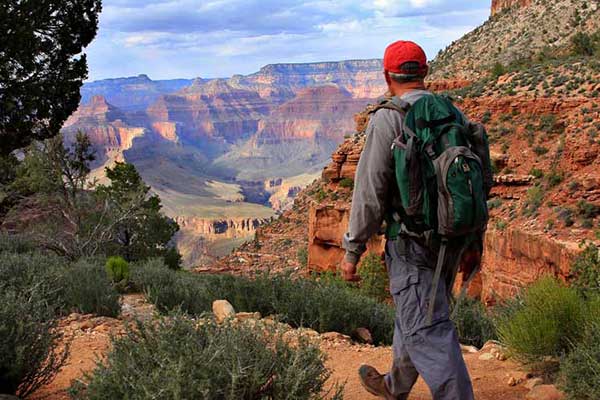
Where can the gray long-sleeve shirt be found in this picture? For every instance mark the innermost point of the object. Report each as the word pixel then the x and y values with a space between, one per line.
pixel 375 188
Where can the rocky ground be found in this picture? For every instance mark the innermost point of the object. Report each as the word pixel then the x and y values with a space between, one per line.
pixel 494 377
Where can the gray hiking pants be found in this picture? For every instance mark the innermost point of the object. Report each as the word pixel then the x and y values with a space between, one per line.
pixel 431 350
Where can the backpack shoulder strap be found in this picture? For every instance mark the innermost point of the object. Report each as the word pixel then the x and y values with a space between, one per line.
pixel 393 103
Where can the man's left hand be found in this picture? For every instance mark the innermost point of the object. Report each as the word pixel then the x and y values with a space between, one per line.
pixel 349 271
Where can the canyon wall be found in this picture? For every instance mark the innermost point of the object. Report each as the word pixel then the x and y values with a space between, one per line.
pixel 202 239
pixel 518 250
pixel 514 258
pixel 225 228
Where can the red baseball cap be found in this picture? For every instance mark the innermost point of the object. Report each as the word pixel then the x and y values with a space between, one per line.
pixel 401 52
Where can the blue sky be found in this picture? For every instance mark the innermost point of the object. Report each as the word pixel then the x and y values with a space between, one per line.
pixel 218 38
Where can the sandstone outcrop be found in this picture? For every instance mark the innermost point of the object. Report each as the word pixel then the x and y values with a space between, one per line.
pixel 514 258
pixel 499 5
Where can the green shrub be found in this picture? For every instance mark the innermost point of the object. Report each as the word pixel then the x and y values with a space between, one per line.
pixel 473 323
pixel 586 269
pixel 486 117
pixel 501 224
pixel 580 371
pixel 302 256
pixel 587 210
pixel 535 196
pixel 172 258
pixel 496 202
pixel 583 44
pixel 117 269
pixel 320 305
pixel 373 277
pixel 178 358
pixel 347 183
pixel 24 271
pixel 536 173
pixel 87 289
pixel 29 357
pixel 540 150
pixel 555 178
pixel 497 70
pixel 15 244
pixel 547 321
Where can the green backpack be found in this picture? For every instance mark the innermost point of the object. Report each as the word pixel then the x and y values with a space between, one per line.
pixel 444 174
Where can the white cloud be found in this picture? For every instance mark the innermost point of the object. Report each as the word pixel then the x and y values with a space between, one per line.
pixel 216 38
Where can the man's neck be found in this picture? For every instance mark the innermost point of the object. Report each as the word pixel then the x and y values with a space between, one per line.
pixel 401 90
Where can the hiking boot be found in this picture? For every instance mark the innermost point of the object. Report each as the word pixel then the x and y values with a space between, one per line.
pixel 373 382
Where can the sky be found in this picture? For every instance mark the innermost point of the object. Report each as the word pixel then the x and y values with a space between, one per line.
pixel 168 39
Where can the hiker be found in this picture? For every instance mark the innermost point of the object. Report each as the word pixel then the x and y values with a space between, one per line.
pixel 425 171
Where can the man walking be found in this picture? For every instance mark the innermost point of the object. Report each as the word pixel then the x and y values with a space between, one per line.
pixel 425 341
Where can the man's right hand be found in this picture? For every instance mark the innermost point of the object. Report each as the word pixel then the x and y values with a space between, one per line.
pixel 349 271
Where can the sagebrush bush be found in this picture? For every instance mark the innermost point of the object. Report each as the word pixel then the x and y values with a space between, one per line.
pixel 580 371
pixel 82 286
pixel 473 322
pixel 15 243
pixel 29 357
pixel 117 269
pixel 88 290
pixel 22 271
pixel 309 303
pixel 586 269
pixel 179 358
pixel 373 277
pixel 549 318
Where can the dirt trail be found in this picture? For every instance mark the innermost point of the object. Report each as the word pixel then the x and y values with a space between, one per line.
pixel 90 340
pixel 490 378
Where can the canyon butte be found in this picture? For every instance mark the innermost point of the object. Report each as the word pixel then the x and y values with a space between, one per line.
pixel 540 101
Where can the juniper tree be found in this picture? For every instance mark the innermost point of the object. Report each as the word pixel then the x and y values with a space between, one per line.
pixel 41 66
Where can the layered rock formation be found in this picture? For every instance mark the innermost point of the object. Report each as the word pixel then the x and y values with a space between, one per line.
pixel 200 240
pixel 514 258
pixel 362 78
pixel 106 127
pixel 211 110
pixel 499 5
pixel 320 111
pixel 223 228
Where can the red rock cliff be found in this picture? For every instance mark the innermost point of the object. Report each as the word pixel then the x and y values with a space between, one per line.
pixel 519 249
pixel 499 5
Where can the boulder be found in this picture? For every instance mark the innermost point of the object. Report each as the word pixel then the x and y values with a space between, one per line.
pixel 222 310
pixel 545 392
pixel 335 337
pixel 533 382
pixel 364 335
pixel 244 316
pixel 468 349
